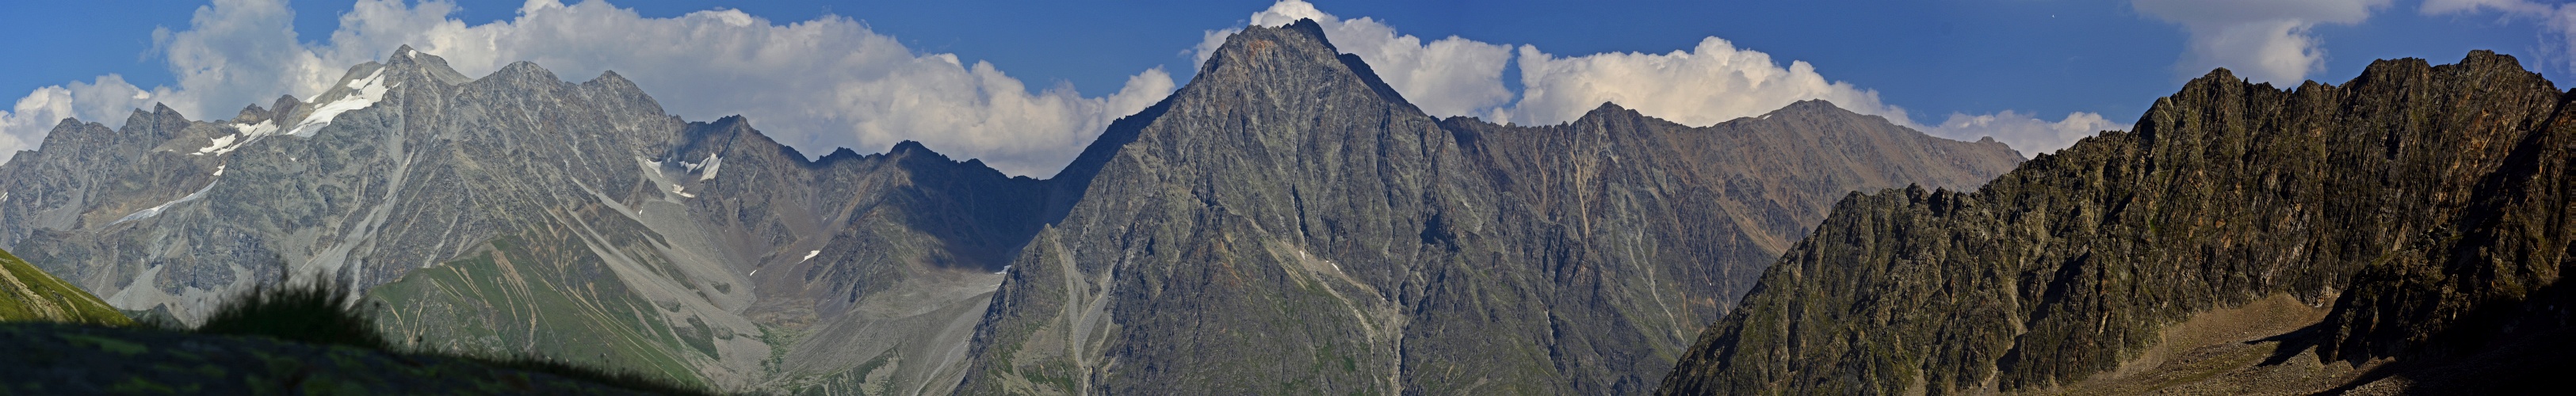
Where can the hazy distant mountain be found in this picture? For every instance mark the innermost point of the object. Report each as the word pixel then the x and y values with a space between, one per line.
pixel 1285 224
pixel 2407 229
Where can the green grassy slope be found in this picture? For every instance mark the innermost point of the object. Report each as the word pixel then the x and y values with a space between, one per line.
pixel 33 295
pixel 527 295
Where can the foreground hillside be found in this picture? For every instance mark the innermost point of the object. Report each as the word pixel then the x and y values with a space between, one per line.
pixel 28 294
pixel 2406 229
pixel 46 358
pixel 1288 224
pixel 56 339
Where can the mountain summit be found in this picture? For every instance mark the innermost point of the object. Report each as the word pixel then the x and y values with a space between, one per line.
pixel 1286 223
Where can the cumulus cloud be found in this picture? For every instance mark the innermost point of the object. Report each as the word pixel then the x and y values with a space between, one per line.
pixel 2267 40
pixel 2559 20
pixel 1706 84
pixel 816 85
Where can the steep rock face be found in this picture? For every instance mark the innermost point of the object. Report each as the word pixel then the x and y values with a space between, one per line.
pixel 1288 224
pixel 520 212
pixel 2225 194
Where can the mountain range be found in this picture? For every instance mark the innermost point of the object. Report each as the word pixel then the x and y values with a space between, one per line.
pixel 1288 223
pixel 1285 223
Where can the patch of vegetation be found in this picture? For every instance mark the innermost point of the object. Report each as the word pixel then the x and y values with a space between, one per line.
pixel 322 312
pixel 483 302
pixel 28 293
pixel 314 312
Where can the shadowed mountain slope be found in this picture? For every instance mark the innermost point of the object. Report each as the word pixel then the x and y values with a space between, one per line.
pixel 2425 203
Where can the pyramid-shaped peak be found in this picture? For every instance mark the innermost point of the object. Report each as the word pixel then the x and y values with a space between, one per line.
pixel 1300 41
pixel 1296 54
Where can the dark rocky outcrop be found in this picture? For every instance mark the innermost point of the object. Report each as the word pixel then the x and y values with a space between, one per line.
pixel 1287 224
pixel 2425 203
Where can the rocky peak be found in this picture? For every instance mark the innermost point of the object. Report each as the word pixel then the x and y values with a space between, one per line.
pixel 1292 56
pixel 1337 238
pixel 1812 106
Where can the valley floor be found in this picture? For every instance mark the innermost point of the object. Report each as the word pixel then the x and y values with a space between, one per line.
pixel 2268 347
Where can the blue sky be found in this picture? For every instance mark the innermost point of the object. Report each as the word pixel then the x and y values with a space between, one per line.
pixel 1931 62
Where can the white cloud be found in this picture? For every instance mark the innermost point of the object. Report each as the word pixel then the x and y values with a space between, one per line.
pixel 2559 20
pixel 2024 131
pixel 1707 84
pixel 2264 40
pixel 816 85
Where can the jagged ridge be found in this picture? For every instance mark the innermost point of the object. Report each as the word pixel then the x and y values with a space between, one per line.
pixel 2226 193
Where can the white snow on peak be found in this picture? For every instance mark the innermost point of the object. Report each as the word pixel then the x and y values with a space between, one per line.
pixel 810 255
pixel 363 93
pixel 219 170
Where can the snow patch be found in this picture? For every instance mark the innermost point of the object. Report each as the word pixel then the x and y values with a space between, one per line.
pixel 156 210
pixel 679 190
pixel 244 134
pixel 220 144
pixel 810 255
pixel 1005 269
pixel 219 170
pixel 710 165
pixel 363 93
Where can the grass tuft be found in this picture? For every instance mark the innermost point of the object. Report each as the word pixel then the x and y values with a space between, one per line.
pixel 316 311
